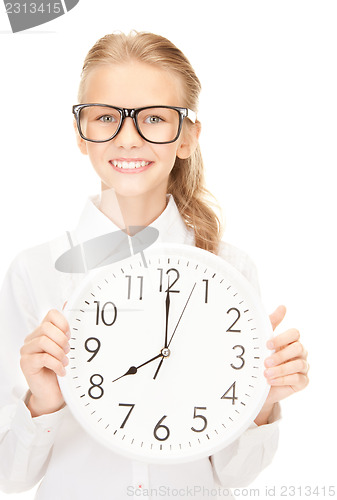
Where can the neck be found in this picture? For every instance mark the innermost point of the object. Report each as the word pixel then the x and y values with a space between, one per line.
pixel 131 211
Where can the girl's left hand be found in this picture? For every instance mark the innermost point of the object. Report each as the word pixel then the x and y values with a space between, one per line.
pixel 286 369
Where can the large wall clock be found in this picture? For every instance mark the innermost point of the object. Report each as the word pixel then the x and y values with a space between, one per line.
pixel 167 351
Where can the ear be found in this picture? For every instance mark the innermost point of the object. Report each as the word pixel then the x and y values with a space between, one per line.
pixel 81 143
pixel 189 141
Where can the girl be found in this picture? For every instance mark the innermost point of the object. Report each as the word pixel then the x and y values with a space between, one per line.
pixel 147 178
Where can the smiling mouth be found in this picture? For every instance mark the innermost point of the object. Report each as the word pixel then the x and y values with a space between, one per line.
pixel 130 165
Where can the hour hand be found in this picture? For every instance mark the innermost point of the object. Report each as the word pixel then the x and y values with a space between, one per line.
pixel 134 369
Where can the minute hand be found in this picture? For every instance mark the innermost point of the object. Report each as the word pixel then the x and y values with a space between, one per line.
pixel 167 308
pixel 174 331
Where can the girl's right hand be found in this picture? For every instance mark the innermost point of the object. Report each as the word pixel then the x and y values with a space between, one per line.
pixel 43 356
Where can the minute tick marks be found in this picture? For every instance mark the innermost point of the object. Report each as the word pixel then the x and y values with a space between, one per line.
pixel 158 413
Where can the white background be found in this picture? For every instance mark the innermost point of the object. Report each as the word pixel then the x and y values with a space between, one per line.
pixel 269 114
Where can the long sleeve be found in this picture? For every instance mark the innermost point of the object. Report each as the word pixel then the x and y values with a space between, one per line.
pixel 25 446
pixel 25 442
pixel 241 462
pixel 55 446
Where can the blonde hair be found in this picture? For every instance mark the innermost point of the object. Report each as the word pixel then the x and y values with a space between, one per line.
pixel 186 181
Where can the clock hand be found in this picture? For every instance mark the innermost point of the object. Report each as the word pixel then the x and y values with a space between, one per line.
pixel 181 315
pixel 133 369
pixel 166 351
pixel 167 304
pixel 161 362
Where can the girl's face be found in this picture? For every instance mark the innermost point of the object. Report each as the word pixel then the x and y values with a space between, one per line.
pixel 133 85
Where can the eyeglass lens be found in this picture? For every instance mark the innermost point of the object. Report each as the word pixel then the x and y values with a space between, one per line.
pixel 99 123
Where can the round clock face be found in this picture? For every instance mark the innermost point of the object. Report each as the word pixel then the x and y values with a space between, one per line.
pixel 166 354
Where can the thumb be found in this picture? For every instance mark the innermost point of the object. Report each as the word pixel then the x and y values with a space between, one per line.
pixel 277 316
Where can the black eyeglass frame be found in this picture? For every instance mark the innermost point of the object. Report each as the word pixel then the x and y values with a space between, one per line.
pixel 133 113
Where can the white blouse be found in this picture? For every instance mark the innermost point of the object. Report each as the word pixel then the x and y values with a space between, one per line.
pixel 54 447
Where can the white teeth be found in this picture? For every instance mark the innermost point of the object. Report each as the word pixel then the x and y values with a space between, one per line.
pixel 130 164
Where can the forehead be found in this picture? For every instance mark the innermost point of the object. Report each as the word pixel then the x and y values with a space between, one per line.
pixel 132 85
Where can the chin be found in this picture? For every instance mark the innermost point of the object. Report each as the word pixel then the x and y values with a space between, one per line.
pixel 129 193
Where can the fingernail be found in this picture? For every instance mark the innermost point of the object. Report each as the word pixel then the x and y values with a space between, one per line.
pixel 270 344
pixel 269 372
pixel 65 361
pixel 67 348
pixel 270 362
pixel 68 334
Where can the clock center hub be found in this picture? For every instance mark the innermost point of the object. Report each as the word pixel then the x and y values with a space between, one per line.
pixel 166 352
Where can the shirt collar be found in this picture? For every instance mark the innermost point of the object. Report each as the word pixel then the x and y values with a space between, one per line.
pixel 170 224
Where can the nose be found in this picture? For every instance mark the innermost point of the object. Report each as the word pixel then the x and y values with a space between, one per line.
pixel 128 136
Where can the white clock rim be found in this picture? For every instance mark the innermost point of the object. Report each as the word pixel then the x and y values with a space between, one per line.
pixel 168 249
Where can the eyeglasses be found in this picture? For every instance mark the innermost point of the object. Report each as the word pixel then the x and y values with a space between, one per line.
pixel 156 124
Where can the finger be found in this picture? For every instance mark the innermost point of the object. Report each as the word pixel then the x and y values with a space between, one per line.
pixel 56 318
pixel 290 368
pixel 297 381
pixel 49 330
pixel 43 360
pixel 277 316
pixel 289 352
pixel 45 344
pixel 284 339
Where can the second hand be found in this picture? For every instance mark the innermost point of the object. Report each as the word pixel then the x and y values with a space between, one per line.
pixel 181 315
pixel 167 345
